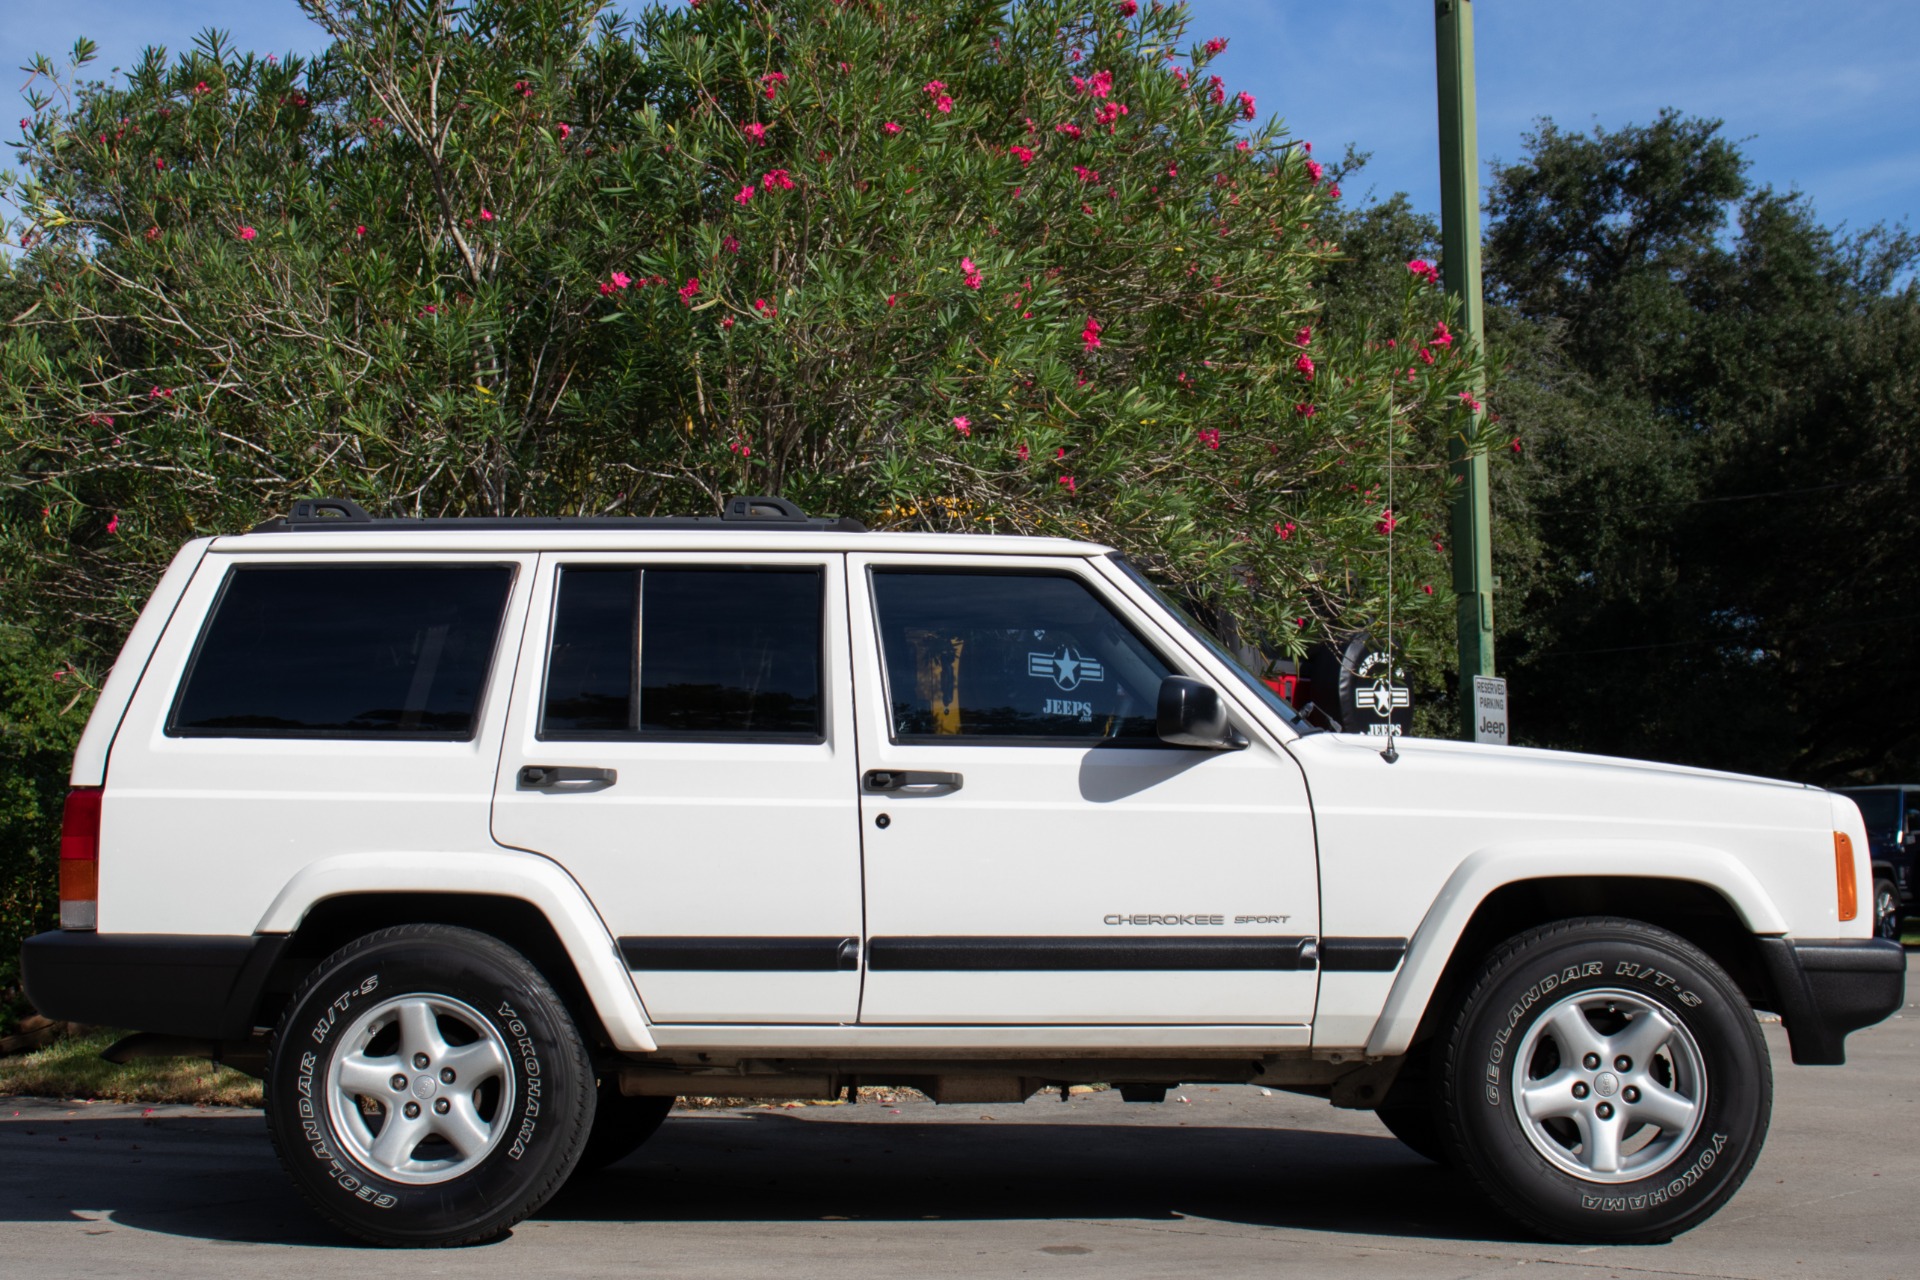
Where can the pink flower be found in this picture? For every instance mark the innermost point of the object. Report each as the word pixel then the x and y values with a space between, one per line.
pixel 942 100
pixel 1304 364
pixel 730 245
pixel 1108 113
pixel 1314 170
pixel 1216 89
pixel 360 231
pixel 1071 130
pixel 429 310
pixel 1515 446
pixel 1246 109
pixel 1285 530
pixel 1090 336
pixel 247 233
pixel 1386 523
pixel 1215 47
pixel 964 427
pixel 526 90
pixel 726 322
pixel 776 178
pixel 1023 154
pixel 1426 356
pixel 1059 454
pixel 159 162
pixel 565 129
pixel 1068 481
pixel 200 88
pixel 1304 337
pixel 756 131
pixel 1305 410
pixel 1209 437
pixel 1306 148
pixel 892 298
pixel 605 289
pixel 772 82
pixel 1424 270
pixel 113 525
pixel 620 279
pixel 1466 398
pixel 1442 336
pixel 153 233
pixel 890 127
pixel 486 214
pixel 765 308
pixel 972 273
pixel 744 195
pixel 1127 8
pixel 688 289
pixel 1085 174
pixel 1428 588
pixel 1099 85
pixel 1021 453
pixel 1242 145
pixel 1333 192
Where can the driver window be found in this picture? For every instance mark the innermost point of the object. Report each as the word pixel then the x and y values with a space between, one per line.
pixel 1032 656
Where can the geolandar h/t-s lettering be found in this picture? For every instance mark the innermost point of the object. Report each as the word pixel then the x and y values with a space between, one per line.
pixel 481 841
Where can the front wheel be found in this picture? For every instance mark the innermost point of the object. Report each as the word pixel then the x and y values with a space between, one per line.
pixel 428 1087
pixel 1604 1081
pixel 1886 910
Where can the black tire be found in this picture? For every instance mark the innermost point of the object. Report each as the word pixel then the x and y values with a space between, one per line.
pixel 1418 1129
pixel 479 1137
pixel 1661 1160
pixel 620 1125
pixel 1887 916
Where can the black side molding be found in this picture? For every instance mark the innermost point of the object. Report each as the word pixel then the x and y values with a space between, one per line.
pixel 1830 987
pixel 742 955
pixel 1077 954
pixel 199 986
pixel 1362 955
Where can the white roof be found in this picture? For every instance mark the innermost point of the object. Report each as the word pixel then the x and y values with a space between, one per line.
pixel 716 537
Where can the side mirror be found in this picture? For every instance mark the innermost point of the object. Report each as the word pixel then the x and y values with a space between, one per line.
pixel 1191 714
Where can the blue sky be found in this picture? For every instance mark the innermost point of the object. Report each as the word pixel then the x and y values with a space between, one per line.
pixel 1825 98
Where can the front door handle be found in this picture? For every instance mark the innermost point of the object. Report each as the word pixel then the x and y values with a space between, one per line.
pixel 565 777
pixel 911 782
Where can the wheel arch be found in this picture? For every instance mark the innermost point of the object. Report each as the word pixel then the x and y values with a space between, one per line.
pixel 1702 895
pixel 524 900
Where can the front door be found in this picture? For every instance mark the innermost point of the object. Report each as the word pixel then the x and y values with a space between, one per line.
pixel 681 742
pixel 1034 853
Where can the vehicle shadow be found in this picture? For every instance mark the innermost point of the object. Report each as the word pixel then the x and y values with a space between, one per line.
pixel 770 1166
pixel 214 1177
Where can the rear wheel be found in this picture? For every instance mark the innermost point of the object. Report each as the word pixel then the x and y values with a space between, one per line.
pixel 1886 910
pixel 1604 1081
pixel 620 1125
pixel 428 1087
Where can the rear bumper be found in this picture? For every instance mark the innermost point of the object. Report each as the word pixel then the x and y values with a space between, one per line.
pixel 1828 988
pixel 193 985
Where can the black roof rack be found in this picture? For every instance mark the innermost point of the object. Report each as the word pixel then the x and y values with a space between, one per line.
pixel 739 512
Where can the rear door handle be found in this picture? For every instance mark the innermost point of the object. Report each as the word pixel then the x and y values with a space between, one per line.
pixel 565 777
pixel 911 782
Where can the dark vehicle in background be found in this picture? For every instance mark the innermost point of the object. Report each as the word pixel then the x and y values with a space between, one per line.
pixel 1893 839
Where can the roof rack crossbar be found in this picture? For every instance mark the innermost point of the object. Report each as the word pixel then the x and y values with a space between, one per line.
pixel 756 511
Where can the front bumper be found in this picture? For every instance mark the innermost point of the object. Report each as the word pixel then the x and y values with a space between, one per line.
pixel 1827 988
pixel 192 985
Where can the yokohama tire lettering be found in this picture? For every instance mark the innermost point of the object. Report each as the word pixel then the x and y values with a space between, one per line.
pixel 1660 1195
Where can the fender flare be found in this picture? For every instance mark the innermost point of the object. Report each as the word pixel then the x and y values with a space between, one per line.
pixel 527 877
pixel 1486 870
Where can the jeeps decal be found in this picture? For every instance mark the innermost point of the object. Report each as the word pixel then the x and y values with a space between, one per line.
pixel 1659 1195
pixel 1066 667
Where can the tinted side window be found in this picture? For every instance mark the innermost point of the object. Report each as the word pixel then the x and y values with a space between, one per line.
pixel 685 653
pixel 1011 655
pixel 363 651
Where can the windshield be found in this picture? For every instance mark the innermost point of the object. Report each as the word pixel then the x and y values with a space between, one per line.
pixel 1881 809
pixel 1259 688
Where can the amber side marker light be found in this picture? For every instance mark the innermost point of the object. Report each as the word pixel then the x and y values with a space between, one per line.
pixel 1843 876
pixel 80 859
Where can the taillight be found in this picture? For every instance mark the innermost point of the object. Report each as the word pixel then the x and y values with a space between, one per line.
pixel 1843 876
pixel 80 859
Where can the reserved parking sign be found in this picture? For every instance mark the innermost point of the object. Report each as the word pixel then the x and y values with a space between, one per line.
pixel 1489 709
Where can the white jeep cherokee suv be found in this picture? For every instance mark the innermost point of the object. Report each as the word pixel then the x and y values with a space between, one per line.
pixel 481 840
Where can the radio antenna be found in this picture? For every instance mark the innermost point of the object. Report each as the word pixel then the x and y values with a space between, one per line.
pixel 1392 522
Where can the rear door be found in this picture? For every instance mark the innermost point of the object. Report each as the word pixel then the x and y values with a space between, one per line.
pixel 681 742
pixel 1034 853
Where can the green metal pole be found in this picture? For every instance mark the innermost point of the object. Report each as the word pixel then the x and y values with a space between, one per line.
pixel 1460 244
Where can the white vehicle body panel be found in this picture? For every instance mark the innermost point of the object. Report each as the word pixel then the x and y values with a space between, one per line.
pixel 1053 841
pixel 201 835
pixel 703 839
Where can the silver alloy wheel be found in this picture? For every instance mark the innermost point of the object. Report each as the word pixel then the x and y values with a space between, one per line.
pixel 1886 910
pixel 1609 1087
pixel 408 1103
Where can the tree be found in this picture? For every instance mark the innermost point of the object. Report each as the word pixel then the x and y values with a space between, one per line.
pixel 973 266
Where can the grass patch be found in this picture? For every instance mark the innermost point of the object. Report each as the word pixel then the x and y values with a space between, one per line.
pixel 74 1069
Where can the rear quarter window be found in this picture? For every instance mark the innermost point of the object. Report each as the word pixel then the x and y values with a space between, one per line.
pixel 386 651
